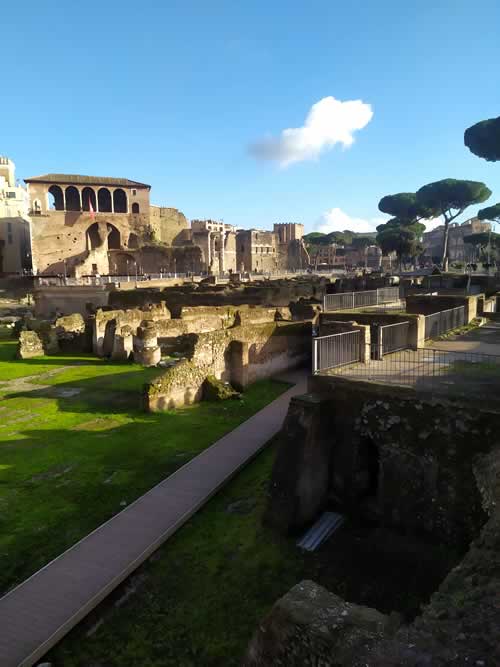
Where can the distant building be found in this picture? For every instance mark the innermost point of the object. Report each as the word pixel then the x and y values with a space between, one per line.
pixel 338 257
pixel 15 242
pixel 331 256
pixel 458 250
pixel 256 251
pixel 369 257
pixel 288 231
pixel 217 241
pixel 95 224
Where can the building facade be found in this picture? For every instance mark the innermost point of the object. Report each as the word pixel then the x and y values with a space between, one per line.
pixel 288 231
pixel 85 225
pixel 256 251
pixel 15 241
pixel 217 242
pixel 457 249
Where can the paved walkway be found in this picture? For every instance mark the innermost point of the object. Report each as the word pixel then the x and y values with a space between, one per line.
pixel 40 611
pixel 439 366
pixel 483 340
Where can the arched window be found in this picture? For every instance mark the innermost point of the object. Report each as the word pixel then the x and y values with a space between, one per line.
pixel 104 200
pixel 113 238
pixel 119 201
pixel 135 207
pixel 56 199
pixel 88 195
pixel 72 199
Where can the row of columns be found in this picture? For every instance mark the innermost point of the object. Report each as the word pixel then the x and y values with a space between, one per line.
pixel 90 194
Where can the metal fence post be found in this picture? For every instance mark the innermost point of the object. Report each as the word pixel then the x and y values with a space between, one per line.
pixel 314 353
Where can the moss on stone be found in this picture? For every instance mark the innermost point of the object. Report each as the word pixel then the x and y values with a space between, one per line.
pixel 215 390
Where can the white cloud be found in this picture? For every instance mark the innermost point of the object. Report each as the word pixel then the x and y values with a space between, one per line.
pixel 432 223
pixel 335 220
pixel 328 122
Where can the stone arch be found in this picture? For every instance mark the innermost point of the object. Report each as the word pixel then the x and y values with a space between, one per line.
pixel 123 263
pixel 88 195
pixel 133 241
pixel 93 236
pixel 104 200
pixel 56 198
pixel 135 208
pixel 114 238
pixel 120 201
pixel 72 199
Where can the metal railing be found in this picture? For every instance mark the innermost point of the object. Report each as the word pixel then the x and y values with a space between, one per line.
pixel 336 350
pixel 439 323
pixel 440 371
pixel 392 338
pixel 349 300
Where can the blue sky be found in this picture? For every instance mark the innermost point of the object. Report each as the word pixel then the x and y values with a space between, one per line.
pixel 175 94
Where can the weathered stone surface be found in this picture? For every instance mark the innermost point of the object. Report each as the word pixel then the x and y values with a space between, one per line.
pixel 215 390
pixel 147 351
pixel 29 345
pixel 438 484
pixel 258 350
pixel 180 385
pixel 123 344
pixel 71 333
pixel 300 477
pixel 311 627
pixel 408 453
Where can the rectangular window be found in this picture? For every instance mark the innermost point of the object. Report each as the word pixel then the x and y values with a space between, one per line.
pixel 134 192
pixel 9 238
pixel 11 195
pixel 9 226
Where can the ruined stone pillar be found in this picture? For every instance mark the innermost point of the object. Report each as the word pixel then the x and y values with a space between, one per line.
pixel 147 351
pixel 123 344
pixel 239 364
pixel 222 264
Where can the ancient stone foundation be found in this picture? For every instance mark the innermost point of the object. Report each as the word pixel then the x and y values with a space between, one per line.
pixel 29 345
pixel 423 464
pixel 239 355
pixel 147 351
pixel 309 626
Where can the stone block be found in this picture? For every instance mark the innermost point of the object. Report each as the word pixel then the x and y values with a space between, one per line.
pixel 29 345
pixel 311 626
pixel 301 473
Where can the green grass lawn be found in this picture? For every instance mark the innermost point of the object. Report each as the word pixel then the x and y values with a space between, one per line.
pixel 12 368
pixel 72 453
pixel 199 599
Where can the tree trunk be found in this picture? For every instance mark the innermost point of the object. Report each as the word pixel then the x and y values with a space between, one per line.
pixel 444 260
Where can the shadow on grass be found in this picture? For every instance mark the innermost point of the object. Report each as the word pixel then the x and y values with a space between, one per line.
pixel 63 482
pixel 114 392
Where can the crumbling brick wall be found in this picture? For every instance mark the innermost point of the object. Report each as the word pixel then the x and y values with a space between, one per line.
pixel 410 453
pixel 274 347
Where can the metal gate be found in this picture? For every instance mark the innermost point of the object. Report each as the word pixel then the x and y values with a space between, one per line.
pixel 336 350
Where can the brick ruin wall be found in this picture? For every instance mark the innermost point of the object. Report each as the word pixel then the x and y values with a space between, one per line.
pixel 438 473
pixel 239 355
pixel 259 293
pixel 172 333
